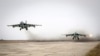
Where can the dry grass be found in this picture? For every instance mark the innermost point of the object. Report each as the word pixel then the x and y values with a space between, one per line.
pixel 95 51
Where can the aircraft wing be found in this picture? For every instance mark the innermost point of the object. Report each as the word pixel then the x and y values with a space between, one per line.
pixel 16 25
pixel 82 35
pixel 33 25
pixel 69 35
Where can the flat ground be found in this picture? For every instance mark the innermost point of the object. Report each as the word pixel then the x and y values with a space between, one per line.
pixel 65 48
pixel 95 51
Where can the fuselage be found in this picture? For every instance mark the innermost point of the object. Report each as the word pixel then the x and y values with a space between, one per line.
pixel 75 36
pixel 23 26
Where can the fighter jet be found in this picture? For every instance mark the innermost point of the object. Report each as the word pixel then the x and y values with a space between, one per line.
pixel 23 25
pixel 75 35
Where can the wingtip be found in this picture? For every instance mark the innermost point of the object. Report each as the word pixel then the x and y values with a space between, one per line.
pixel 8 25
pixel 39 25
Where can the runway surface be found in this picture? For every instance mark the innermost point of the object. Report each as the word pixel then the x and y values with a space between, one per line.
pixel 65 48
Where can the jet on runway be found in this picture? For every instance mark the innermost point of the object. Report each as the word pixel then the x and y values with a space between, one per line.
pixel 23 25
pixel 75 35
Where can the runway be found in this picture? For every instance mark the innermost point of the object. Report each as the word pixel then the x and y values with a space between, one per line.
pixel 65 48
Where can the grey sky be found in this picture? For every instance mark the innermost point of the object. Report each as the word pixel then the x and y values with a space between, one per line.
pixel 57 17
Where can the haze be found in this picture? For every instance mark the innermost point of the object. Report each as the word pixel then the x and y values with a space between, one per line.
pixel 57 17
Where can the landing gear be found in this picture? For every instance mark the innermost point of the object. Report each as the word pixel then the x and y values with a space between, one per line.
pixel 75 38
pixel 26 28
pixel 20 29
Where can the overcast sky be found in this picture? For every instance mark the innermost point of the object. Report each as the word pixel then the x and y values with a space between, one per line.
pixel 57 17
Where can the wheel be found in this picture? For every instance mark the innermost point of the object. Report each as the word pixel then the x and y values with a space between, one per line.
pixel 78 38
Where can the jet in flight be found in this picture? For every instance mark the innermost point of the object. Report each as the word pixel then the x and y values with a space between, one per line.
pixel 75 35
pixel 24 25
